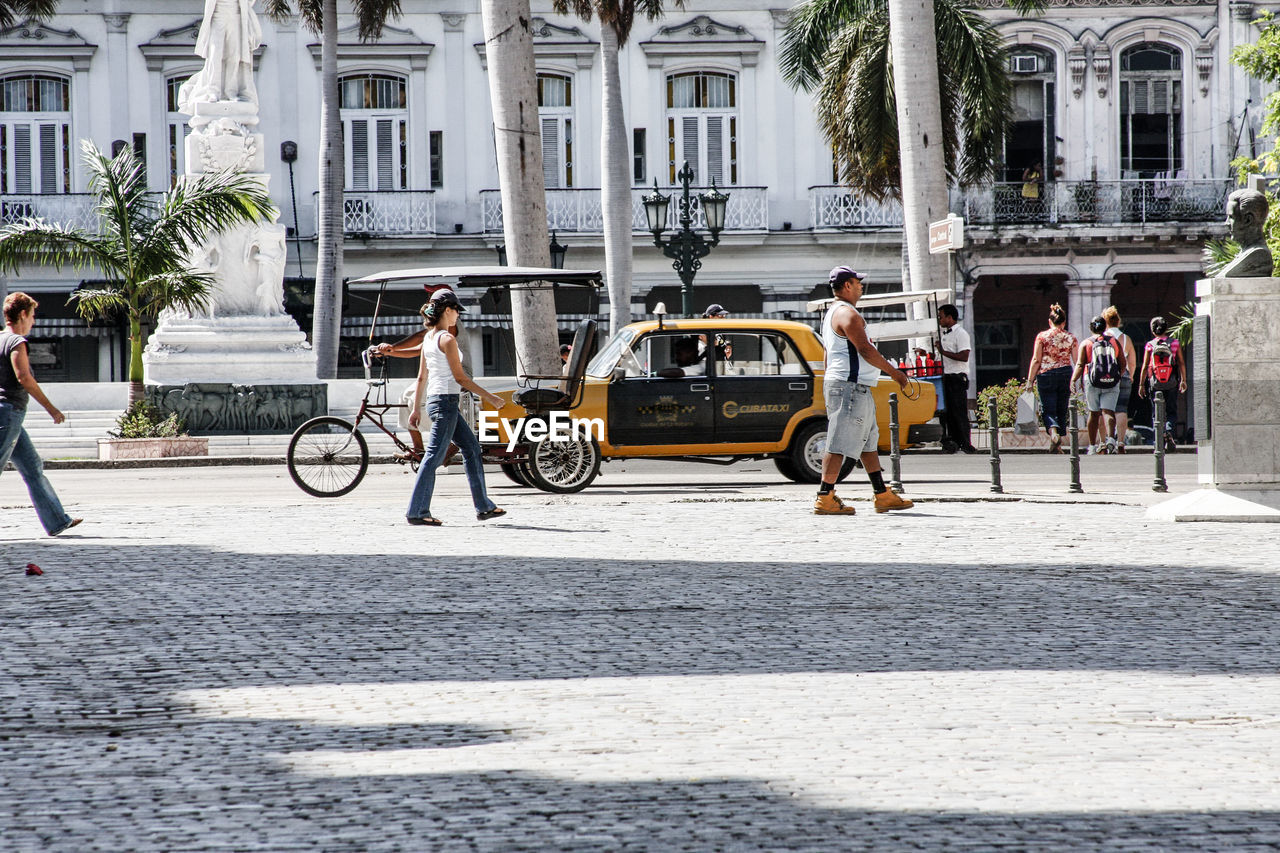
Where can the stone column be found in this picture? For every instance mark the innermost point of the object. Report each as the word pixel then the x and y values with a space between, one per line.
pixel 1086 297
pixel 1238 382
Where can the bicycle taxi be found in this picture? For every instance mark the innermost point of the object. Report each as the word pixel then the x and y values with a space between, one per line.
pixel 328 456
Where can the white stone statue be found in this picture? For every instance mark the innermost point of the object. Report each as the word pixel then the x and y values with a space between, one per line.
pixel 268 252
pixel 229 34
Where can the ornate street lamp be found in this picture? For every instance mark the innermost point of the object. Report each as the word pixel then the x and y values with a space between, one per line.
pixel 686 247
pixel 557 253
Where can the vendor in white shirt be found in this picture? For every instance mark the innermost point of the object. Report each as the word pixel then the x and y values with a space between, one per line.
pixel 955 350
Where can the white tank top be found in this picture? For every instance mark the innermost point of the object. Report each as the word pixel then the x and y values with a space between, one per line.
pixel 439 374
pixel 843 361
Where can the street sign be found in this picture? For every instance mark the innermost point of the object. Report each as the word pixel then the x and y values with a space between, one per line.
pixel 946 235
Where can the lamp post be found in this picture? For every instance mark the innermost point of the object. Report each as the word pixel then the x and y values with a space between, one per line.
pixel 686 247
pixel 557 253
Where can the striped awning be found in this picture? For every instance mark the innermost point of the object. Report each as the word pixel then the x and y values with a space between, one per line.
pixel 408 324
pixel 66 327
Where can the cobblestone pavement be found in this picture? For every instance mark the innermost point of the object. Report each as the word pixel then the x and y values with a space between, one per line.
pixel 677 659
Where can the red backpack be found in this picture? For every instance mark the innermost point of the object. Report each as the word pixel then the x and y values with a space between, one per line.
pixel 1164 366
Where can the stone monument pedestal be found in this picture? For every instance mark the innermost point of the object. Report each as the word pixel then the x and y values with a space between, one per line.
pixel 1237 395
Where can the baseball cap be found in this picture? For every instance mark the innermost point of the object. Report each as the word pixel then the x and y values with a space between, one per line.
pixel 447 299
pixel 715 309
pixel 840 275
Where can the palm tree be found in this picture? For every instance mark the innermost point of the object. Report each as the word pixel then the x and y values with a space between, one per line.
pixel 321 17
pixel 12 11
pixel 143 245
pixel 514 98
pixel 616 18
pixel 905 128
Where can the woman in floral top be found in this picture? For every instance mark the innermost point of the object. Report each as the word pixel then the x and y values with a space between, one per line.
pixel 1050 371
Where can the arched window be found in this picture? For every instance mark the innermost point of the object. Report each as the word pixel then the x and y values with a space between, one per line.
pixel 1150 110
pixel 375 125
pixel 35 134
pixel 555 112
pixel 176 129
pixel 1033 124
pixel 702 126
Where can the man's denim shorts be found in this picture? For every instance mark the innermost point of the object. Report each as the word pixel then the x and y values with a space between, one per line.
pixel 1099 399
pixel 851 418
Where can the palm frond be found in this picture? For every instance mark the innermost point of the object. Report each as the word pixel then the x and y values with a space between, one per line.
pixel 183 287
pixel 1027 7
pixel 372 16
pixel 99 302
pixel 810 33
pixel 198 206
pixel 1181 324
pixel 12 11
pixel 120 184
pixel 1217 254
pixel 978 97
pixel 40 243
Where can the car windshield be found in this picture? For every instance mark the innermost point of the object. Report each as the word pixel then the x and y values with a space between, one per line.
pixel 607 358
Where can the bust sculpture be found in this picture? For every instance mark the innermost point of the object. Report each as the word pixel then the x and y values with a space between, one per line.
pixel 1246 216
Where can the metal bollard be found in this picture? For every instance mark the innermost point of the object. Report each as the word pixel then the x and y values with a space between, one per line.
pixel 1074 418
pixel 895 451
pixel 994 420
pixel 1159 484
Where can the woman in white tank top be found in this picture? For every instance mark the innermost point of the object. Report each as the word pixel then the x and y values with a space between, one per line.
pixel 441 380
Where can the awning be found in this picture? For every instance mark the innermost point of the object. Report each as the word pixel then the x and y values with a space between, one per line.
pixel 66 327
pixel 354 327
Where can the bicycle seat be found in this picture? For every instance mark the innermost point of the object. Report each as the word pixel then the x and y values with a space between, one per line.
pixel 541 398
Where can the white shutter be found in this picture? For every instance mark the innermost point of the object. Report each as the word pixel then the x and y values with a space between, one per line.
pixel 1159 96
pixel 384 152
pixel 551 152
pixel 359 155
pixel 22 158
pixel 689 145
pixel 1139 102
pixel 48 158
pixel 715 150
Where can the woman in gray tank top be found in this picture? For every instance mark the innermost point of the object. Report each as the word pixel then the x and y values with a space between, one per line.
pixel 17 386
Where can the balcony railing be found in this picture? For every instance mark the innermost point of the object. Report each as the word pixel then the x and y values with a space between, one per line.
pixel 72 209
pixel 837 207
pixel 1129 202
pixel 578 210
pixel 387 213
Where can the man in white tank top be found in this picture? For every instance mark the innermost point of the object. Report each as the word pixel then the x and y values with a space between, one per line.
pixel 853 369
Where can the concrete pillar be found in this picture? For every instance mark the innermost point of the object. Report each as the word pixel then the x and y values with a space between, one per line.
pixel 1086 297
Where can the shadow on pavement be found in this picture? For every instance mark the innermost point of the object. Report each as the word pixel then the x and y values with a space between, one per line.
pixel 96 654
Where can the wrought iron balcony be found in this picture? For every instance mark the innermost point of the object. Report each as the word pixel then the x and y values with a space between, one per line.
pixel 387 213
pixel 72 209
pixel 835 207
pixel 1134 201
pixel 578 210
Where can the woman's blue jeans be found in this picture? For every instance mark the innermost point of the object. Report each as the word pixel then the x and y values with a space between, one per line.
pixel 1055 387
pixel 447 425
pixel 15 444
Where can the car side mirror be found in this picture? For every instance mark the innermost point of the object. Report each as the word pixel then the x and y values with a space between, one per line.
pixel 619 374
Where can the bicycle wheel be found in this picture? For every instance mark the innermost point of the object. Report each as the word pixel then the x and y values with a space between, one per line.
pixel 563 467
pixel 328 457
pixel 513 472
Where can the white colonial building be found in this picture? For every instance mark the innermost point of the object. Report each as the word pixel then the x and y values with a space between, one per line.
pixel 1132 107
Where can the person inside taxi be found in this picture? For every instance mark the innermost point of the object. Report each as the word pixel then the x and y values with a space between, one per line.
pixel 724 349
pixel 689 361
pixel 853 368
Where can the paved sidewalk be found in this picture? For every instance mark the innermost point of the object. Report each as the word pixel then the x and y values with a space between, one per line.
pixel 680 658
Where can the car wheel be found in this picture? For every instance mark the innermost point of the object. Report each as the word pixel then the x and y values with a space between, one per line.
pixel 563 467
pixel 805 456
pixel 787 469
pixel 513 472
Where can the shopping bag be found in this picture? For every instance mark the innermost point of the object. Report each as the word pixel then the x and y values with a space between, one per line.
pixel 1026 421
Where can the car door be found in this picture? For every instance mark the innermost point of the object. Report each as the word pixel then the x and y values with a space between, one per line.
pixel 761 382
pixel 656 402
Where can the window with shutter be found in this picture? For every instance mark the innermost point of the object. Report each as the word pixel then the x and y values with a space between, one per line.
pixel 375 121
pixel 178 129
pixel 702 125
pixel 1150 110
pixel 551 152
pixel 555 111
pixel 35 134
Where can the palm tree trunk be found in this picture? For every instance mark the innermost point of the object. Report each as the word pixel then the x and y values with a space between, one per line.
pixel 518 137
pixel 615 186
pixel 136 390
pixel 326 322
pixel 913 40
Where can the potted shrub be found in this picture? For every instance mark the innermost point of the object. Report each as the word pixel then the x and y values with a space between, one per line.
pixel 1006 396
pixel 142 432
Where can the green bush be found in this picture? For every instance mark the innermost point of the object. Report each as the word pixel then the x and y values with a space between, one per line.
pixel 143 420
pixel 1006 403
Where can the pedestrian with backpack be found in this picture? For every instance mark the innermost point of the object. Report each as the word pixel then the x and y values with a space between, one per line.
pixel 1112 316
pixel 1101 364
pixel 1164 370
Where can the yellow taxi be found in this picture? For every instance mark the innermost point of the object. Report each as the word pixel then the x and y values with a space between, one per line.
pixel 699 389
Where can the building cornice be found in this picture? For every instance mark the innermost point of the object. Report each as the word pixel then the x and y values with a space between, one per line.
pixel 178 45
pixel 32 40
pixel 396 44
